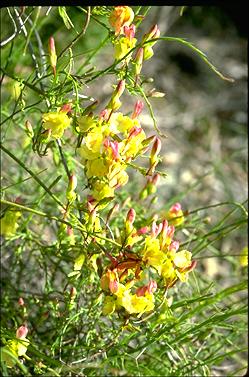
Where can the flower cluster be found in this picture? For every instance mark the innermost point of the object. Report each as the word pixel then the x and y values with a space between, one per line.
pixel 121 20
pixel 111 141
pixel 125 281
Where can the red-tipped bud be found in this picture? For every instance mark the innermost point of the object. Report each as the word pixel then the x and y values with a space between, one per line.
pixel 156 179
pixel 134 131
pixel 67 108
pixel 153 33
pixel 120 88
pixel 104 114
pixel 72 182
pixel 138 109
pixel 73 293
pixel 152 286
pixel 131 215
pixel 138 60
pixel 22 332
pixel 174 246
pixel 156 147
pixel 130 31
pixel 52 54
pixel 21 301
pixel 143 230
pixel 156 229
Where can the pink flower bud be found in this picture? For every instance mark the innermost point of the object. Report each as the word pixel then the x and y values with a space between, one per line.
pixel 143 230
pixel 51 46
pixel 156 229
pixel 72 182
pixel 156 179
pixel 153 33
pixel 120 88
pixel 134 131
pixel 138 60
pixel 69 231
pixel 175 208
pixel 130 31
pixel 170 231
pixel 22 332
pixel 174 246
pixel 104 114
pixel 138 109
pixel 115 146
pixel 152 286
pixel 67 108
pixel 131 216
pixel 21 301
pixel 52 54
pixel 156 147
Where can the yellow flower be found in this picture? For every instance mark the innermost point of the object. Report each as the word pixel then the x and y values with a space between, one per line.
pixel 8 223
pixel 120 123
pixel 244 257
pixel 175 215
pixel 56 122
pixel 85 122
pixel 121 16
pixel 122 46
pixel 152 254
pixel 182 259
pixel 96 168
pixel 168 271
pixel 134 144
pixel 102 190
pixel 109 305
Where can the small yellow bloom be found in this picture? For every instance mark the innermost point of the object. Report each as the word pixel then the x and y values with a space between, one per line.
pixel 96 168
pixel 102 190
pixel 182 259
pixel 175 215
pixel 244 257
pixel 122 46
pixel 120 123
pixel 85 122
pixel 8 223
pixel 56 122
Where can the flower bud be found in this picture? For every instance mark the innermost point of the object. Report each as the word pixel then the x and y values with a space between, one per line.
pixel 143 230
pixel 138 109
pixel 29 129
pixel 67 108
pixel 138 60
pixel 72 183
pixel 131 216
pixel 21 301
pixel 73 293
pixel 52 54
pixel 22 332
pixel 130 31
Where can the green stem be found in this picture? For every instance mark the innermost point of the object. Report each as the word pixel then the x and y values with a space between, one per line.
pixel 32 175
